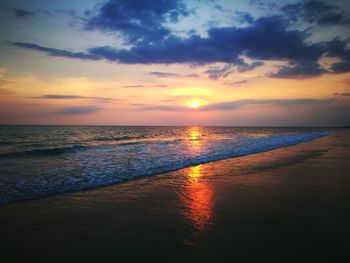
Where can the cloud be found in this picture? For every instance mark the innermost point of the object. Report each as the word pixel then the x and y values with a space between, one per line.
pixel 223 72
pixel 318 12
pixel 26 14
pixel 192 75
pixel 232 105
pixel 338 48
pixel 346 82
pixel 170 74
pixel 73 97
pixel 344 94
pixel 133 86
pixel 244 17
pixel 178 98
pixel 160 108
pixel 6 92
pixel 236 83
pixel 164 74
pixel 23 13
pixel 266 38
pixel 145 86
pixel 77 110
pixel 247 67
pixel 304 69
pixel 56 52
pixel 4 82
pixel 219 72
pixel 276 102
pixel 138 20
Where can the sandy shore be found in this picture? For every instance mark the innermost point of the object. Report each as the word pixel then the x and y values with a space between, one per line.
pixel 286 205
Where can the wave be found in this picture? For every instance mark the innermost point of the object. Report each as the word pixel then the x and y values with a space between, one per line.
pixel 123 138
pixel 47 152
pixel 44 151
pixel 102 166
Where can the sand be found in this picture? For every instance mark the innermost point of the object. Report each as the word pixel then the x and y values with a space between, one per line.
pixel 285 205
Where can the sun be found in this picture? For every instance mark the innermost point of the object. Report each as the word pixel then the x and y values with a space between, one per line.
pixel 195 104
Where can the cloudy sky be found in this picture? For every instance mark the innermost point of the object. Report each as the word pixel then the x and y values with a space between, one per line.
pixel 147 62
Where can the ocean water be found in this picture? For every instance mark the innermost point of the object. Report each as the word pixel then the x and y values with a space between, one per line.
pixel 37 161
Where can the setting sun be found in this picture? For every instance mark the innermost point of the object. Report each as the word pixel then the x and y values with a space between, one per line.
pixel 195 104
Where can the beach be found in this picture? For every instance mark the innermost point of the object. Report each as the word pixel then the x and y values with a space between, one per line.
pixel 289 204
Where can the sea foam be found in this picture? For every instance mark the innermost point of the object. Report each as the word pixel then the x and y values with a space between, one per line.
pixel 44 172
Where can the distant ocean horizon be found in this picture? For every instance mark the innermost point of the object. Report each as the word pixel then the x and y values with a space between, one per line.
pixel 43 160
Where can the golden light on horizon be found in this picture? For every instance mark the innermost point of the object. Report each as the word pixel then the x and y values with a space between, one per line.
pixel 195 104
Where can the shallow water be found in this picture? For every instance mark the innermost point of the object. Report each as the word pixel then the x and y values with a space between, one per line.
pixel 37 161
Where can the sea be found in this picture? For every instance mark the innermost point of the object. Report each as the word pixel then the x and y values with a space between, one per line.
pixel 39 161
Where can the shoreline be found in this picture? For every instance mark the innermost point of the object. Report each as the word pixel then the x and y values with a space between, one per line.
pixel 31 195
pixel 288 201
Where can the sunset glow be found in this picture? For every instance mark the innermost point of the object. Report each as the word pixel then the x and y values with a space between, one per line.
pixel 174 130
pixel 195 104
pixel 250 64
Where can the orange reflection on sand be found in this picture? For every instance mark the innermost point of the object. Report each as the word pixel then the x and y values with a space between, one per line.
pixel 197 198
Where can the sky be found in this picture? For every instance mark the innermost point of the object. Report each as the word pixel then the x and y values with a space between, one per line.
pixel 162 62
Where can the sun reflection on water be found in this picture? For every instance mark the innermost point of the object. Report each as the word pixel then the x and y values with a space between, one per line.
pixel 195 135
pixel 196 193
pixel 198 200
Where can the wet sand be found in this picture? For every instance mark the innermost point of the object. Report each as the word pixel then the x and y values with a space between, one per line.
pixel 285 205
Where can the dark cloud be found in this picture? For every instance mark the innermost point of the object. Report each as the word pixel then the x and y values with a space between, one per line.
pixel 265 5
pixel 138 20
pixel 344 94
pixel 244 17
pixel 266 38
pixel 73 97
pixel 163 74
pixel 223 72
pixel 26 14
pixel 338 48
pixel 219 7
pixel 23 13
pixel 247 67
pixel 301 69
pixel 236 83
pixel 315 11
pixel 170 74
pixel 219 72
pixel 56 52
pixel 341 67
pixel 77 110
